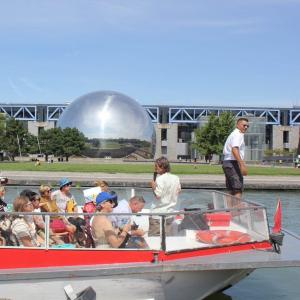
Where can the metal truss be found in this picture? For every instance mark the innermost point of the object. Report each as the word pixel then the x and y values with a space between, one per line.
pixel 55 111
pixel 193 115
pixel 20 112
pixel 294 116
pixel 153 112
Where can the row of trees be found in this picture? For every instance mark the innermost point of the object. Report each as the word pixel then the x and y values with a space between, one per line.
pixel 15 139
pixel 210 138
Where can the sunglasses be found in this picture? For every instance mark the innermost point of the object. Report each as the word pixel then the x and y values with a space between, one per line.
pixel 50 190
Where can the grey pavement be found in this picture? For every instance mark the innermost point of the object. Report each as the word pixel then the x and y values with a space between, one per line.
pixel 143 180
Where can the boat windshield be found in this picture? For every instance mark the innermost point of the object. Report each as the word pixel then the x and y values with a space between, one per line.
pixel 224 220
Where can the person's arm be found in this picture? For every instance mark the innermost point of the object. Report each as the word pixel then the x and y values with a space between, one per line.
pixel 236 154
pixel 157 188
pixel 26 241
pixel 112 238
pixel 137 232
pixel 39 222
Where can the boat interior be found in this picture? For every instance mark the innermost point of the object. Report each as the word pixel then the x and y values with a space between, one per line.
pixel 221 220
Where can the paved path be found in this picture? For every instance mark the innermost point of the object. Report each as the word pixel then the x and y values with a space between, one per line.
pixel 143 180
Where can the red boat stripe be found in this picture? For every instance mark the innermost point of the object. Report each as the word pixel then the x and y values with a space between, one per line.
pixel 13 258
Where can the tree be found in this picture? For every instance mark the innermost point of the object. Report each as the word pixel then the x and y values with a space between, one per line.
pixel 13 138
pixel 210 138
pixel 51 142
pixel 73 142
pixel 62 142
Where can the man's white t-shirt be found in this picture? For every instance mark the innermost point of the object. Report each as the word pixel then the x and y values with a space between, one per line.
pixel 235 139
pixel 167 190
pixel 119 220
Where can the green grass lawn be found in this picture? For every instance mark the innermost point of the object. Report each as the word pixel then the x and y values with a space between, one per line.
pixel 140 168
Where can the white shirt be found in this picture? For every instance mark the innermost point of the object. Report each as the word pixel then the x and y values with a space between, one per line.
pixel 167 190
pixel 121 221
pixel 62 200
pixel 235 139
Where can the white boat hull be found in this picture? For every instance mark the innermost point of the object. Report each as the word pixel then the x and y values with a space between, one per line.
pixel 166 285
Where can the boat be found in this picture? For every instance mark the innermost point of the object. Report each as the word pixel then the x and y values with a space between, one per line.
pixel 179 265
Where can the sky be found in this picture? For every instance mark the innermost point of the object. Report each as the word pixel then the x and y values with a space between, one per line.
pixel 158 52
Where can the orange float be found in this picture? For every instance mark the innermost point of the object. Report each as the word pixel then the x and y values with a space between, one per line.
pixel 222 237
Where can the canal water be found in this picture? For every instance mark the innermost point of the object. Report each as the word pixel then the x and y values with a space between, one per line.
pixel 264 284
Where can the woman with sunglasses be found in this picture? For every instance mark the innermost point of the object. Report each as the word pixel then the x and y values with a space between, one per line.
pixel 64 199
pixel 23 226
pixel 103 232
pixel 47 204
pixel 58 224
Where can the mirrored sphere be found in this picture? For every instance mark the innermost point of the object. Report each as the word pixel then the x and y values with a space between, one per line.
pixel 114 125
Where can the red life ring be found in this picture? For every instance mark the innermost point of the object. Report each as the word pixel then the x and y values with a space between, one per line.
pixel 222 237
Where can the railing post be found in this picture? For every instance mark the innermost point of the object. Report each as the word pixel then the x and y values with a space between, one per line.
pixel 163 233
pixel 47 229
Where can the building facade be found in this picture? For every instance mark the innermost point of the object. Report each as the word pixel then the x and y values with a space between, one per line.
pixel 271 128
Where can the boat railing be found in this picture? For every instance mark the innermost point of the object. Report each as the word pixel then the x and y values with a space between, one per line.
pixel 177 231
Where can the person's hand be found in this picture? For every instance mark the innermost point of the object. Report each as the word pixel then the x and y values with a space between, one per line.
pixel 243 168
pixel 138 232
pixel 153 185
pixel 127 227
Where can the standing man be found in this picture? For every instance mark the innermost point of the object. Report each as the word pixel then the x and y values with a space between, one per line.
pixel 234 165
pixel 166 188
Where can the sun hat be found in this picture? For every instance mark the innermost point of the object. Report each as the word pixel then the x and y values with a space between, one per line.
pixel 102 197
pixel 63 182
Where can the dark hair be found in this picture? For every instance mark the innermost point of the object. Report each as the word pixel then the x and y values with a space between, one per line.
pixel 29 194
pixel 163 163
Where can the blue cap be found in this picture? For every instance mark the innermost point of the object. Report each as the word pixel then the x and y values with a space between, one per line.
pixel 104 196
pixel 63 182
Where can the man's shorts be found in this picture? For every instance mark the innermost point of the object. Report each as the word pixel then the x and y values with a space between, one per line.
pixel 233 175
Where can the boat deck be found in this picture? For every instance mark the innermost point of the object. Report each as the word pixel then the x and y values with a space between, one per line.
pixel 256 258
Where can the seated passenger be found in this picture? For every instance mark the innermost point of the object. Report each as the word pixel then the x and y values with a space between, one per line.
pixel 39 222
pixel 23 227
pixel 65 201
pixel 104 234
pixel 58 224
pixel 3 204
pixel 103 185
pixel 35 200
pixel 134 205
